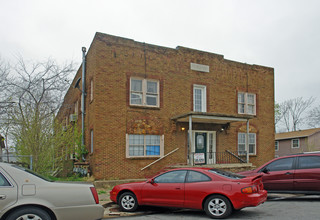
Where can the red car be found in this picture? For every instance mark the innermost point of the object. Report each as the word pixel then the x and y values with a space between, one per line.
pixel 216 192
pixel 298 173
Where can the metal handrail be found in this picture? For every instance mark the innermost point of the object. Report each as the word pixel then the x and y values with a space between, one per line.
pixel 236 156
pixel 160 159
pixel 221 157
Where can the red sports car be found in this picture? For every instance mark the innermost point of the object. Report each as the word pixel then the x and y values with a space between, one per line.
pixel 216 192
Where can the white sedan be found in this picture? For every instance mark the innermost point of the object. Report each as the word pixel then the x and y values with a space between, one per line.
pixel 25 195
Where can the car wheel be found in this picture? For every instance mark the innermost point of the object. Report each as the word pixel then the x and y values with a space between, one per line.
pixel 217 206
pixel 29 213
pixel 128 202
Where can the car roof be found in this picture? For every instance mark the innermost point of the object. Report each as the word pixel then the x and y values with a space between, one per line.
pixel 192 168
pixel 302 154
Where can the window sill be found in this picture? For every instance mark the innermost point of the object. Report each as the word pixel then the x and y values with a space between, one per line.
pixel 247 114
pixel 143 157
pixel 145 107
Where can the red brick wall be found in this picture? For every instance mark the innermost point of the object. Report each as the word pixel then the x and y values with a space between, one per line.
pixel 111 61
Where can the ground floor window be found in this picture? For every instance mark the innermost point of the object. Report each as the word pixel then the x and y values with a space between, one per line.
pixel 242 143
pixel 144 145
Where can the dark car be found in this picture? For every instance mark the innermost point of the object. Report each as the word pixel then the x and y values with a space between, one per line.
pixel 298 173
pixel 215 191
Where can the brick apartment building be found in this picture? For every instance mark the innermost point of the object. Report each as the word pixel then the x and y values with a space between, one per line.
pixel 142 101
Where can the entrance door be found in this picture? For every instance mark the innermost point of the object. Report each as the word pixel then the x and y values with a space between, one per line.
pixel 200 156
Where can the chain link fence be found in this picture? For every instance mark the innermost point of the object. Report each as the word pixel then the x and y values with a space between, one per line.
pixel 17 159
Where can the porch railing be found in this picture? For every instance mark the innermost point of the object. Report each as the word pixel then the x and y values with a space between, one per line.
pixel 226 157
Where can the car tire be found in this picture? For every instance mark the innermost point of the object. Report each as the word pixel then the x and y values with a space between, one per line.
pixel 217 206
pixel 128 202
pixel 27 213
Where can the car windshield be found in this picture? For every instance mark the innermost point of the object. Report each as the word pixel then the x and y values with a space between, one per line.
pixel 32 172
pixel 227 174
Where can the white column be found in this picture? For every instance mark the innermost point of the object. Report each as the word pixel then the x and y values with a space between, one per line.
pixel 247 141
pixel 190 141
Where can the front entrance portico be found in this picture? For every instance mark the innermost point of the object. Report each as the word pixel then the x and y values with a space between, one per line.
pixel 202 147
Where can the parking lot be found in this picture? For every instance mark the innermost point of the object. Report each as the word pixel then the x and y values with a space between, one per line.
pixel 277 207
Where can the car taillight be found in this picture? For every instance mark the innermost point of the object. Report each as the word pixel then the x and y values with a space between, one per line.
pixel 95 194
pixel 249 190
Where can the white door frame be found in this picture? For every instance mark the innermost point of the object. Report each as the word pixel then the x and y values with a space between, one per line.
pixel 213 147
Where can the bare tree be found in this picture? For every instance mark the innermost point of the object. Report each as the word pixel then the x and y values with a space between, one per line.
pixel 4 72
pixel 35 91
pixel 314 117
pixel 293 112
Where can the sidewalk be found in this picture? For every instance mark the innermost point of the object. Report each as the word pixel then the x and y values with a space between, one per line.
pixel 113 210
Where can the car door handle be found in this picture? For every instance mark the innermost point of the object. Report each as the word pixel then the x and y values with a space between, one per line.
pixel 288 173
pixel 178 188
pixel 3 197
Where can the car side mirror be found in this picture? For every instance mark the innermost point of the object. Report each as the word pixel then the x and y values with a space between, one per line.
pixel 151 181
pixel 265 170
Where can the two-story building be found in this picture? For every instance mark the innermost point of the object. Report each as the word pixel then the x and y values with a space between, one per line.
pixel 148 107
pixel 297 142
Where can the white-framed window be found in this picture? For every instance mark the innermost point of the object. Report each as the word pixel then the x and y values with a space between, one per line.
pixel 91 90
pixel 76 107
pixel 246 103
pixel 199 98
pixel 145 145
pixel 242 138
pixel 295 143
pixel 144 92
pixel 276 144
pixel 91 140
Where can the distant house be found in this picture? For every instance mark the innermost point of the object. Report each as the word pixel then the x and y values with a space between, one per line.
pixel 297 142
pixel 148 107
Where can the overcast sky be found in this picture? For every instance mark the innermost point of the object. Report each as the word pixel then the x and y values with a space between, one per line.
pixel 283 34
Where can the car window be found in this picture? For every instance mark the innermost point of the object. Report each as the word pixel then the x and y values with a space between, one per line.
pixel 32 172
pixel 309 162
pixel 4 181
pixel 281 164
pixel 194 176
pixel 177 176
pixel 227 174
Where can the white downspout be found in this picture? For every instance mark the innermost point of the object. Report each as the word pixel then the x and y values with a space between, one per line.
pixel 190 141
pixel 247 141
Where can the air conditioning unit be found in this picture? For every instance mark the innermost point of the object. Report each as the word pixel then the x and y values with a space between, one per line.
pixel 73 117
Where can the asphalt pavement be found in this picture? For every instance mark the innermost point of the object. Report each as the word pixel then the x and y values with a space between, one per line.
pixel 278 206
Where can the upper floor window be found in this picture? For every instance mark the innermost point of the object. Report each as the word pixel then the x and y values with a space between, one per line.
pixel 276 144
pixel 144 145
pixel 246 103
pixel 295 143
pixel 91 140
pixel 76 107
pixel 144 92
pixel 242 138
pixel 199 98
pixel 91 90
